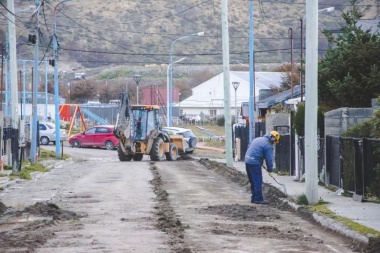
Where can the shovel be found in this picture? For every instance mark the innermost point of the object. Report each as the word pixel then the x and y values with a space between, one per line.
pixel 278 182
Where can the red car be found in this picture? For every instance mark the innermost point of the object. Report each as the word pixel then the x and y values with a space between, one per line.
pixel 97 136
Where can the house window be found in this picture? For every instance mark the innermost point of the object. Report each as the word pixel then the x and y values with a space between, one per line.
pixel 213 113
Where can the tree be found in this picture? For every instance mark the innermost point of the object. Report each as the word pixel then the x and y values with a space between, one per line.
pixel 82 91
pixel 349 72
pixel 286 78
pixel 50 87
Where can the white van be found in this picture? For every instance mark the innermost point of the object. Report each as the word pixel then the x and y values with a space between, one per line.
pixel 93 103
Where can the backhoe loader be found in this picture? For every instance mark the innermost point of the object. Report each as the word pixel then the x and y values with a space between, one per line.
pixel 139 132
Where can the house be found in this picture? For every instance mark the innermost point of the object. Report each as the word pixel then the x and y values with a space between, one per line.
pixel 208 97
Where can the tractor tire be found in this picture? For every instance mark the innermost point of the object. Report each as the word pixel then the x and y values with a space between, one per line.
pixel 138 157
pixel 193 142
pixel 123 157
pixel 172 155
pixel 158 150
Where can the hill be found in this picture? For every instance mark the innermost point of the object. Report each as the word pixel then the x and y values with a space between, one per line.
pixel 102 33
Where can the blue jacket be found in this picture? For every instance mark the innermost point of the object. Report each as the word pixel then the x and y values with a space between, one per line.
pixel 260 148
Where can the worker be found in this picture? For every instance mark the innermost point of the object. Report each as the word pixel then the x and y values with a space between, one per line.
pixel 260 149
pixel 139 129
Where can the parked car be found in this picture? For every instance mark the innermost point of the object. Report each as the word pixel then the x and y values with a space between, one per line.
pixel 97 136
pixel 187 134
pixel 47 132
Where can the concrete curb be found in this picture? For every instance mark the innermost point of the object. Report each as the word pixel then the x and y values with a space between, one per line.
pixel 365 243
pixel 331 224
pixel 340 228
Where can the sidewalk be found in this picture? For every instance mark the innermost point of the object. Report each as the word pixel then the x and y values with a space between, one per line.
pixel 364 213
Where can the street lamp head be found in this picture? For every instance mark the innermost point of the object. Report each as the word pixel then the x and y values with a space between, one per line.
pixel 329 9
pixel 137 79
pixel 182 59
pixel 235 85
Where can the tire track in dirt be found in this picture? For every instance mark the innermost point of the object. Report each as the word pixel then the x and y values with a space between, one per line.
pixel 167 220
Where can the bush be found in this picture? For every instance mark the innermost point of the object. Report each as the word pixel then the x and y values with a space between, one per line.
pixel 220 121
pixel 299 120
pixel 369 128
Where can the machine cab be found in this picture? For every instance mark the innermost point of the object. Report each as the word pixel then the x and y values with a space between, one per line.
pixel 146 120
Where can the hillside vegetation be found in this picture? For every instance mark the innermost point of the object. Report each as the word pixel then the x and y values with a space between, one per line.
pixel 102 33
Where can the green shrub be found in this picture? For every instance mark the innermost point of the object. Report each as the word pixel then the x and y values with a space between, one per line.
pixel 299 120
pixel 369 128
pixel 348 162
pixel 302 200
pixel 220 121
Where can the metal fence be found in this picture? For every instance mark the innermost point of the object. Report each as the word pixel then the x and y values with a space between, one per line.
pixel 301 155
pixel 107 112
pixel 353 164
pixel 242 132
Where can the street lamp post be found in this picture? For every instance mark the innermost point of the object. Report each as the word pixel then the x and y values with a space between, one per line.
pixel 168 122
pixel 179 105
pixel 171 72
pixel 56 90
pixel 302 20
pixel 236 86
pixel 137 80
pixel 68 84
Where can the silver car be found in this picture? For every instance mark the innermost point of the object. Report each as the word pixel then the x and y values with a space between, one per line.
pixel 189 137
pixel 47 133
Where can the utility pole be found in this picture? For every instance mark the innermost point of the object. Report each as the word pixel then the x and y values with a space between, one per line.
pixel 251 76
pixel 46 89
pixel 23 88
pixel 13 80
pixel 33 152
pixel 311 105
pixel 301 74
pixel 227 95
pixel 291 61
pixel 2 79
pixel 56 88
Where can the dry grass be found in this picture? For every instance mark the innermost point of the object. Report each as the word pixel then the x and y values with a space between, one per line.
pixel 213 128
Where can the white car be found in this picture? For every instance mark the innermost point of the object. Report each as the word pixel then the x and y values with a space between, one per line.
pixel 47 133
pixel 189 137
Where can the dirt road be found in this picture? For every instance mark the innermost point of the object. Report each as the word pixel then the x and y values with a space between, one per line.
pixel 103 205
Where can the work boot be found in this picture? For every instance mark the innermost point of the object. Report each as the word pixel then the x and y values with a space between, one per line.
pixel 262 202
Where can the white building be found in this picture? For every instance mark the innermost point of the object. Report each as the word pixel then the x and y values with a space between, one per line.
pixel 208 97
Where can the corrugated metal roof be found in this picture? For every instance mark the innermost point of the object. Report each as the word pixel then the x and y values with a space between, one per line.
pixel 279 98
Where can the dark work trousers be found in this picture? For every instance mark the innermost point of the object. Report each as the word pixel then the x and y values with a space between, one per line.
pixel 255 177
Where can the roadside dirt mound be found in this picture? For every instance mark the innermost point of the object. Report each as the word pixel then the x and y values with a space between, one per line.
pixel 26 230
pixel 185 157
pixel 2 208
pixel 48 209
pixel 240 212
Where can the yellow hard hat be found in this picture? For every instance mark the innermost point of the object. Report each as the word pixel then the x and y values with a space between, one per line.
pixel 275 137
